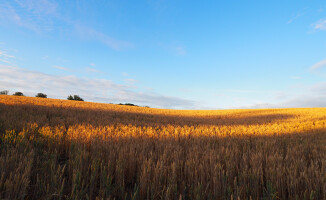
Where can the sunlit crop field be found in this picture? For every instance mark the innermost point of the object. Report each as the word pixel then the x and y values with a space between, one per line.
pixel 60 149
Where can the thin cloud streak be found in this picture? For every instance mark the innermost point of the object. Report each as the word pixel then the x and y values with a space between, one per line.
pixel 92 70
pixel 5 58
pixel 61 68
pixel 312 97
pixel 92 34
pixel 296 77
pixel 320 25
pixel 297 16
pixel 38 6
pixel 34 15
pixel 318 65
pixel 130 81
pixel 41 15
pixel 180 50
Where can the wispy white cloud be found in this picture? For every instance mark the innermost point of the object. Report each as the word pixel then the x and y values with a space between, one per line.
pixel 318 65
pixel 320 25
pixel 304 102
pixel 61 68
pixel 296 77
pixel 185 90
pixel 243 91
pixel 5 57
pixel 45 57
pixel 81 70
pixel 39 6
pixel 180 50
pixel 100 90
pixel 43 16
pixel 257 106
pixel 176 49
pixel 92 70
pixel 92 34
pixel 296 16
pixel 36 15
pixel 309 97
pixel 5 61
pixel 130 81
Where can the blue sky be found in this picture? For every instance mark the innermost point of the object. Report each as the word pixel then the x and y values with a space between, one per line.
pixel 167 54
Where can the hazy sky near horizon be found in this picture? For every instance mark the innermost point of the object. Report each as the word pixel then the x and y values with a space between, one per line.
pixel 167 54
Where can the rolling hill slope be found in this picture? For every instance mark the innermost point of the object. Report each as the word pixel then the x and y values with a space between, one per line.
pixel 60 149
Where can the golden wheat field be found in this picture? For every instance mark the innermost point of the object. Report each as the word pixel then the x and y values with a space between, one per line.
pixel 60 149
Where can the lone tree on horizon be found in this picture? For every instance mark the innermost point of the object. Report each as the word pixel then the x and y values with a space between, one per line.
pixel 41 95
pixel 75 98
pixel 18 94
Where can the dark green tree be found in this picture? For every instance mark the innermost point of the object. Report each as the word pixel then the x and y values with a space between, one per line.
pixel 4 92
pixel 70 97
pixel 18 94
pixel 78 98
pixel 75 98
pixel 41 95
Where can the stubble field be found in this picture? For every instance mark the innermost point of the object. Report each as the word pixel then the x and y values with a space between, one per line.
pixel 59 149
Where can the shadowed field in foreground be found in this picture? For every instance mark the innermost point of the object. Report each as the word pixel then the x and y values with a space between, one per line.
pixel 57 149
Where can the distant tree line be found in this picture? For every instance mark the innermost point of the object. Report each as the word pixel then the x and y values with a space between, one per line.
pixel 6 92
pixel 42 95
pixel 75 98
pixel 127 104
pixel 70 97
